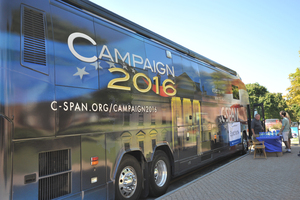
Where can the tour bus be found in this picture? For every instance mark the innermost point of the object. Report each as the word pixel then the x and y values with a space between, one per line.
pixel 94 106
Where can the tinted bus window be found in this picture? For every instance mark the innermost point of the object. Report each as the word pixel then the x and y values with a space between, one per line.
pixel 209 80
pixel 235 92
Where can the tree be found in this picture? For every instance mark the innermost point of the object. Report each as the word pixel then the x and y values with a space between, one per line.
pixel 294 112
pixel 255 91
pixel 293 96
pixel 273 102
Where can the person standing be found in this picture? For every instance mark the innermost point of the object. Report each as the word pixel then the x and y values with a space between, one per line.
pixel 290 131
pixel 284 131
pixel 256 127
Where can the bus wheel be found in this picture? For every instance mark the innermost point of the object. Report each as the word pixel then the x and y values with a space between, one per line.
pixel 160 174
pixel 245 145
pixel 129 179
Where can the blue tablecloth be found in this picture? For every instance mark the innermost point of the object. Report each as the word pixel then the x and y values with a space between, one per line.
pixel 273 144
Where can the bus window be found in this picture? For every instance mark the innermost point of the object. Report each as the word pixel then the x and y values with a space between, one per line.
pixel 235 92
pixel 158 62
pixel 69 69
pixel 209 81
pixel 119 46
pixel 186 81
pixel 192 70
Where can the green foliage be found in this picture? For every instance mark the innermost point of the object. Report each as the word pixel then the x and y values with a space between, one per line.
pixel 273 102
pixel 294 112
pixel 255 91
pixel 293 96
pixel 235 92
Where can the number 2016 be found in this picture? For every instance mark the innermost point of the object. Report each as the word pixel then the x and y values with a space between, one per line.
pixel 113 83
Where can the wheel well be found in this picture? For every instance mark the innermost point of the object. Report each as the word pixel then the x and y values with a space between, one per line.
pixel 137 154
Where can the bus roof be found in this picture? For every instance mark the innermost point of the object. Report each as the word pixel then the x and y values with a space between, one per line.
pixel 102 12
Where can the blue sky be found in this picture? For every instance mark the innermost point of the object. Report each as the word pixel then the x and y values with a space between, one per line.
pixel 259 39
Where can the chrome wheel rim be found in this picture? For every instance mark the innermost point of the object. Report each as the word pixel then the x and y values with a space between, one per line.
pixel 160 173
pixel 127 182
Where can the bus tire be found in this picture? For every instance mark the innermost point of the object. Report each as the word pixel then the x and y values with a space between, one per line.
pixel 129 179
pixel 244 144
pixel 160 174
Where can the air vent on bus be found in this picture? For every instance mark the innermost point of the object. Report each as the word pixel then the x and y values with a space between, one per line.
pixel 54 162
pixel 54 186
pixel 34 36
